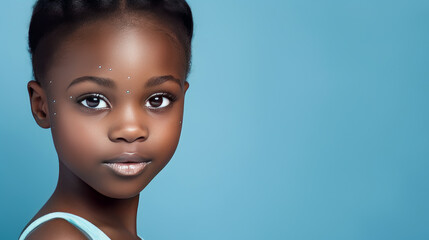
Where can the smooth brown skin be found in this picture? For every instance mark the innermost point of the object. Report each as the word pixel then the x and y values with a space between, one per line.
pixel 84 137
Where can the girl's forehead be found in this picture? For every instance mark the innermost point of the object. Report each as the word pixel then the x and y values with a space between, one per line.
pixel 119 27
pixel 130 49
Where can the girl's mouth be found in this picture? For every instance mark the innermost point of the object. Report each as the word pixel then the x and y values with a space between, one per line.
pixel 127 164
pixel 127 168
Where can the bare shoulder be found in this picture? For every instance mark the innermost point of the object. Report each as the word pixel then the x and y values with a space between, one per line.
pixel 59 229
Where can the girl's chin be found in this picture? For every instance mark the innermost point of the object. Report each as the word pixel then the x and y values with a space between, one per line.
pixel 113 193
pixel 121 191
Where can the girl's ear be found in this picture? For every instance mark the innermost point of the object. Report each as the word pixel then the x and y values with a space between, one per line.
pixel 39 104
pixel 186 85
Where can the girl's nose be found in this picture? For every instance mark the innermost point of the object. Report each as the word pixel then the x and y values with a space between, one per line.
pixel 128 125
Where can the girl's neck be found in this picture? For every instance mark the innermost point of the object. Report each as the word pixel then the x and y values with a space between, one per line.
pixel 75 196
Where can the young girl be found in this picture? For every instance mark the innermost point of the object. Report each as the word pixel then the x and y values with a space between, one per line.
pixel 110 82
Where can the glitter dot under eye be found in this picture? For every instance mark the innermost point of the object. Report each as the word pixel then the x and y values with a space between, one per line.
pixel 71 97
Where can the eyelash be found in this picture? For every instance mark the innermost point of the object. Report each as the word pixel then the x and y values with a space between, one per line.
pixel 172 98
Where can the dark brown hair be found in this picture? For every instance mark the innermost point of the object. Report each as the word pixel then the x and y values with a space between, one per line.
pixel 51 15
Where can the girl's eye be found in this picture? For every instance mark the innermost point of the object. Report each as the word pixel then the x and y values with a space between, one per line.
pixel 95 101
pixel 160 101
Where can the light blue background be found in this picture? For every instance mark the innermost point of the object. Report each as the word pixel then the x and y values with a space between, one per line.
pixel 304 120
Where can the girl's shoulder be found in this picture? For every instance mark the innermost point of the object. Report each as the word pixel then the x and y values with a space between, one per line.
pixel 62 225
pixel 56 228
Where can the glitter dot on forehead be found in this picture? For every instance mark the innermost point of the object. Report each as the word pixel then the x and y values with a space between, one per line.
pixel 54 101
pixel 110 69
pixel 128 91
pixel 55 113
pixel 50 82
pixel 99 66
pixel 129 77
pixel 71 97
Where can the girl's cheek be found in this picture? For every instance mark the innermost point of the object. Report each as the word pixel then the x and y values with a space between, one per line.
pixel 165 137
pixel 77 136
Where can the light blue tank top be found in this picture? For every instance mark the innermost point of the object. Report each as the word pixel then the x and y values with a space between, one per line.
pixel 86 227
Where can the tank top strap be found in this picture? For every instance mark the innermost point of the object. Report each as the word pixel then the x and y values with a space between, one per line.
pixel 86 227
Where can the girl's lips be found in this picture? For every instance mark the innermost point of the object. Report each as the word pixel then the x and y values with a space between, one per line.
pixel 127 164
pixel 127 169
pixel 127 158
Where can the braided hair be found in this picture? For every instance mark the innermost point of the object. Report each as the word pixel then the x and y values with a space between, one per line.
pixel 58 18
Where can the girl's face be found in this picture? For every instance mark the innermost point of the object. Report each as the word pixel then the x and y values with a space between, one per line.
pixel 114 92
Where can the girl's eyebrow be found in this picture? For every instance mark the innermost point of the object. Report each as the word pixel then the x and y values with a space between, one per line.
pixel 154 81
pixel 107 82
